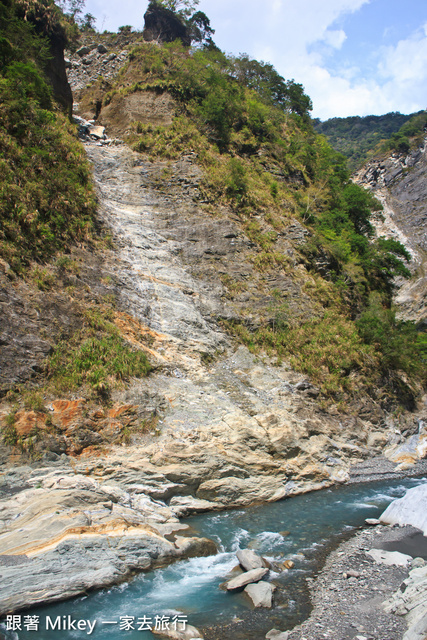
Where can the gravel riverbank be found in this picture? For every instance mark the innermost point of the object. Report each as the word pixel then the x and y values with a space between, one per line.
pixel 348 593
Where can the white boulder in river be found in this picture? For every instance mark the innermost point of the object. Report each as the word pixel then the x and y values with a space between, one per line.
pixel 261 594
pixel 411 509
pixel 189 633
pixel 255 575
pixel 249 559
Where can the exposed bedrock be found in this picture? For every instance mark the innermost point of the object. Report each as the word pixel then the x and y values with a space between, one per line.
pixel 228 428
pixel 399 182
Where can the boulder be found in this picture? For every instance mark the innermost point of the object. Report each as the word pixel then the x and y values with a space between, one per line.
pixel 189 633
pixel 102 48
pixel 184 505
pixel 249 559
pixel 83 51
pixel 275 634
pixel 389 557
pixel 261 594
pixel 246 578
pixel 411 509
pixel 195 547
pixel 417 563
pixel 97 132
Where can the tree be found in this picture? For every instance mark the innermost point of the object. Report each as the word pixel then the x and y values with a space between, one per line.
pixel 88 22
pixel 300 103
pixel 168 20
pixel 200 29
pixel 72 8
pixel 183 8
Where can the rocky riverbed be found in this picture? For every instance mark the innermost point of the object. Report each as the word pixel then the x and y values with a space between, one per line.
pixel 374 586
pixel 347 595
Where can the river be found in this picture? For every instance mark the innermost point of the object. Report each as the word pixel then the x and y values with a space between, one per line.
pixel 303 528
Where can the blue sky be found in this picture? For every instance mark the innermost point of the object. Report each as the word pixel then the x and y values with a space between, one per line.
pixel 354 57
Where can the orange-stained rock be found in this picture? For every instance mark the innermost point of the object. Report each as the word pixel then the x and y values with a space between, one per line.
pixel 28 421
pixel 120 409
pixel 98 414
pixel 112 429
pixel 68 414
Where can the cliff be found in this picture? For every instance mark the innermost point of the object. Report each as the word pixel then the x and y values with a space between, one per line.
pixel 195 344
pixel 398 180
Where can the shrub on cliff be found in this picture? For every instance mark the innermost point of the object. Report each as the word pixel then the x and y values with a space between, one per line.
pixel 46 194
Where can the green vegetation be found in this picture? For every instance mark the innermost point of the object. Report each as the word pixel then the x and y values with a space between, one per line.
pixel 95 361
pixel 359 137
pixel 47 201
pixel 96 355
pixel 410 134
pixel 46 194
pixel 261 157
pixel 248 125
pixel 328 349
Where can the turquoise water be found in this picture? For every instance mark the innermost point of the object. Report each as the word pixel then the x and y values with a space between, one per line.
pixel 303 529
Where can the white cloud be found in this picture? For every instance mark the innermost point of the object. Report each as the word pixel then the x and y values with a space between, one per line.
pixel 407 61
pixel 334 38
pixel 398 80
pixel 399 85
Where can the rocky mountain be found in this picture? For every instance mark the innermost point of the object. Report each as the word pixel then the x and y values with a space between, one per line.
pixel 398 181
pixel 194 344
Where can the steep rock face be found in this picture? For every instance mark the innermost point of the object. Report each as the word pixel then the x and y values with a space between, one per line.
pixel 229 429
pixel 47 25
pixel 399 182
pixel 75 533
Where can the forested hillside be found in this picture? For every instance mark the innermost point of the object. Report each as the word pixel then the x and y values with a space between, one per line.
pixel 359 137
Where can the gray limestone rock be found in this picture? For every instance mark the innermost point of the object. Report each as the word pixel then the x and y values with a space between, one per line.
pixel 261 594
pixel 69 534
pixel 249 559
pixel 275 634
pixel 97 132
pixel 185 505
pixel 411 601
pixel 417 563
pixel 83 51
pixel 246 578
pixel 389 557
pixel 411 509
